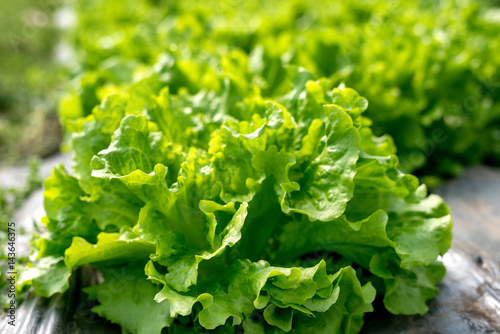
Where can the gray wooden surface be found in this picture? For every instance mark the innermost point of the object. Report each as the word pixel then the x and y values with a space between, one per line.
pixel 470 293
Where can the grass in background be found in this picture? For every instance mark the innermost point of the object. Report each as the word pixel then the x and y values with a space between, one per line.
pixel 29 78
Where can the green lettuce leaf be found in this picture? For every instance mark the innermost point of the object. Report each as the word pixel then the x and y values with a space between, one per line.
pixel 228 210
pixel 126 298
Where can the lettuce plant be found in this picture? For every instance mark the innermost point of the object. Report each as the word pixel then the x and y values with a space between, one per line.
pixel 225 211
pixel 429 68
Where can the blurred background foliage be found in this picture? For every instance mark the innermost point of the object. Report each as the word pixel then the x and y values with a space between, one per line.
pixel 29 80
pixel 430 69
